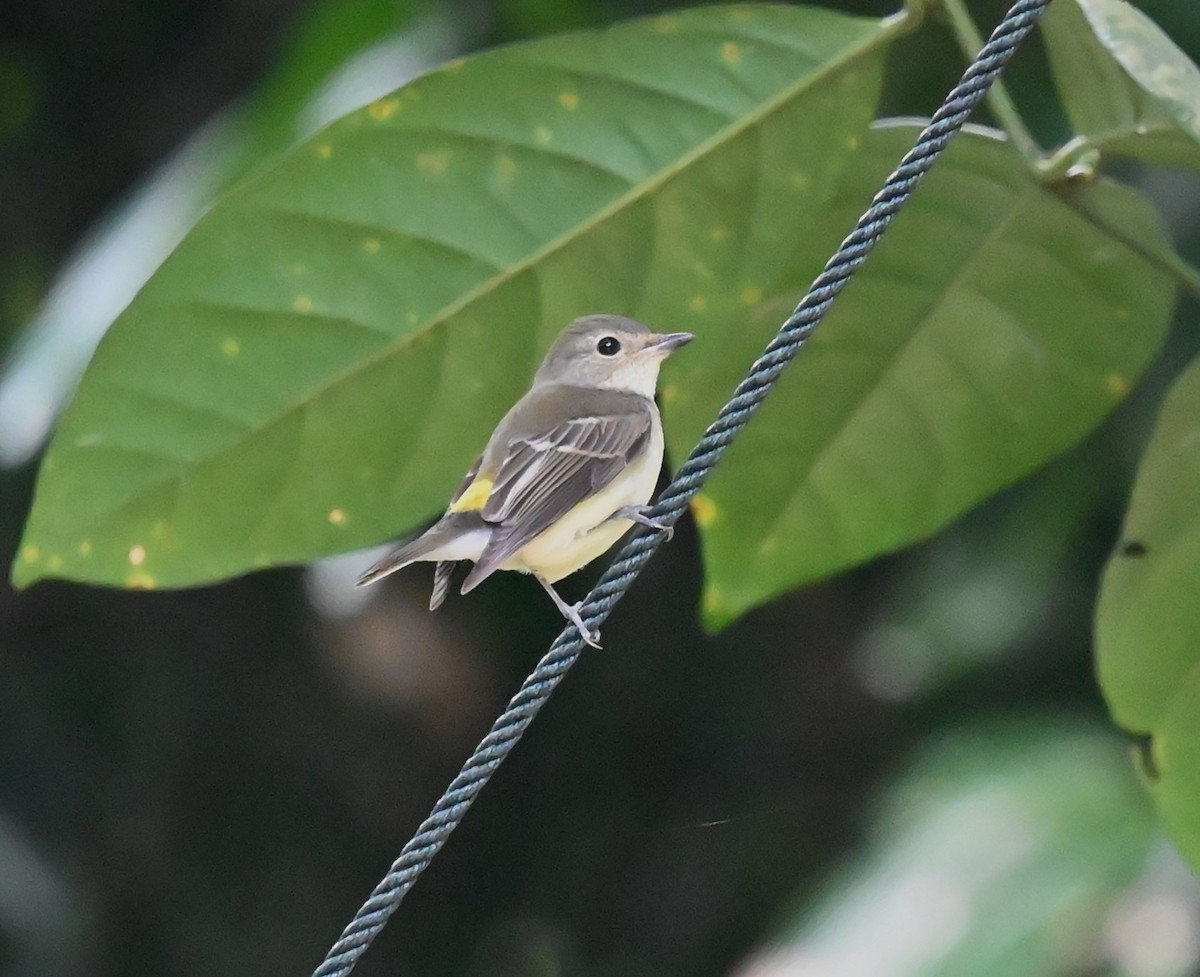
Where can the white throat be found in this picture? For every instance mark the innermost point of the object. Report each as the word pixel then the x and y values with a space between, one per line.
pixel 637 377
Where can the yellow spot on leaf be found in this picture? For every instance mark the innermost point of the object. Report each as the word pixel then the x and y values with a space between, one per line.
pixel 1121 312
pixel 669 393
pixel 704 510
pixel 31 554
pixel 731 54
pixel 412 319
pixel 698 304
pixel 853 142
pixel 371 245
pixel 799 180
pixel 751 295
pixel 159 531
pixel 302 304
pixel 433 164
pixel 324 150
pixel 569 101
pixel 666 24
pixel 453 67
pixel 137 555
pixel 231 347
pixel 506 167
pixel 55 563
pixel 1116 385
pixel 337 517
pixel 383 109
pixel 85 547
pixel 140 581
pixel 718 234
pixel 475 497
pixel 542 135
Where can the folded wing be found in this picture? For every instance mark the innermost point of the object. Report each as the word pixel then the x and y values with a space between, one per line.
pixel 543 476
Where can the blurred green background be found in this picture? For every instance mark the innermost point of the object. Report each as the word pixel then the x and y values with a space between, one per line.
pixel 905 770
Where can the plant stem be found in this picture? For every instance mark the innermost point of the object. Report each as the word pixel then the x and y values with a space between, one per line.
pixel 998 99
pixel 1052 168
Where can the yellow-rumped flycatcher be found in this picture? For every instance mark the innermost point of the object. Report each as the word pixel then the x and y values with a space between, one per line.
pixel 566 472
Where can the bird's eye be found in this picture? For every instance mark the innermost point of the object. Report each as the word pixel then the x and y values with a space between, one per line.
pixel 608 346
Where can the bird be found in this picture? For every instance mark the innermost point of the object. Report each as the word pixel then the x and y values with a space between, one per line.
pixel 567 471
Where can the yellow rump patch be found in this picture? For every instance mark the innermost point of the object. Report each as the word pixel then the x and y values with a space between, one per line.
pixel 475 497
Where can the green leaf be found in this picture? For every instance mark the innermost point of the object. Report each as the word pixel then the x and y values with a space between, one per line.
pixel 990 331
pixel 38 380
pixel 1008 848
pixel 981 591
pixel 1148 617
pixel 1126 87
pixel 322 41
pixel 319 361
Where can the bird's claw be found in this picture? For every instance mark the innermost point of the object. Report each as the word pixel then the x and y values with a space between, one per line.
pixel 590 638
pixel 571 613
pixel 638 514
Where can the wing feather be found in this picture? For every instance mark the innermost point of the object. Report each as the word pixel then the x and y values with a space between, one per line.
pixel 543 476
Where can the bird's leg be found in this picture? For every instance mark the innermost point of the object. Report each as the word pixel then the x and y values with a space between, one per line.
pixel 637 513
pixel 571 613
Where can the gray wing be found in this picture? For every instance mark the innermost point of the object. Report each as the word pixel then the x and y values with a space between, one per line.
pixel 542 477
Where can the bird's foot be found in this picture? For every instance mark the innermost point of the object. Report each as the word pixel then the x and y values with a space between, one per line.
pixel 639 514
pixel 571 613
pixel 590 638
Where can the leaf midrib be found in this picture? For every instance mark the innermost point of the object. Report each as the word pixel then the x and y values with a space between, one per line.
pixel 888 28
pixel 890 364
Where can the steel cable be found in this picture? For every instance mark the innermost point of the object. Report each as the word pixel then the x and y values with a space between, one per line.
pixel 749 395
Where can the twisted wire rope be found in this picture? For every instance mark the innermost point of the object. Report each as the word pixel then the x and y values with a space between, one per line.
pixel 507 730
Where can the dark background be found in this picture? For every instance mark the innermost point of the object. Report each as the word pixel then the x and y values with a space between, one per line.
pixel 211 781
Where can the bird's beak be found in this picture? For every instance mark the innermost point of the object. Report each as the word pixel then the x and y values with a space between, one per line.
pixel 668 342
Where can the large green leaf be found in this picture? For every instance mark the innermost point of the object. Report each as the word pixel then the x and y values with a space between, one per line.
pixel 1125 85
pixel 1148 618
pixel 992 329
pixel 1008 848
pixel 319 361
pixel 985 590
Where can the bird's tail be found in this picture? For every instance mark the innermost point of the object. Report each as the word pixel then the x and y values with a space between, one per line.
pixel 442 578
pixel 396 560
pixel 453 537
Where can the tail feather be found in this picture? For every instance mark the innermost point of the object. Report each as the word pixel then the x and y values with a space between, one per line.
pixel 441 582
pixel 453 537
pixel 396 560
